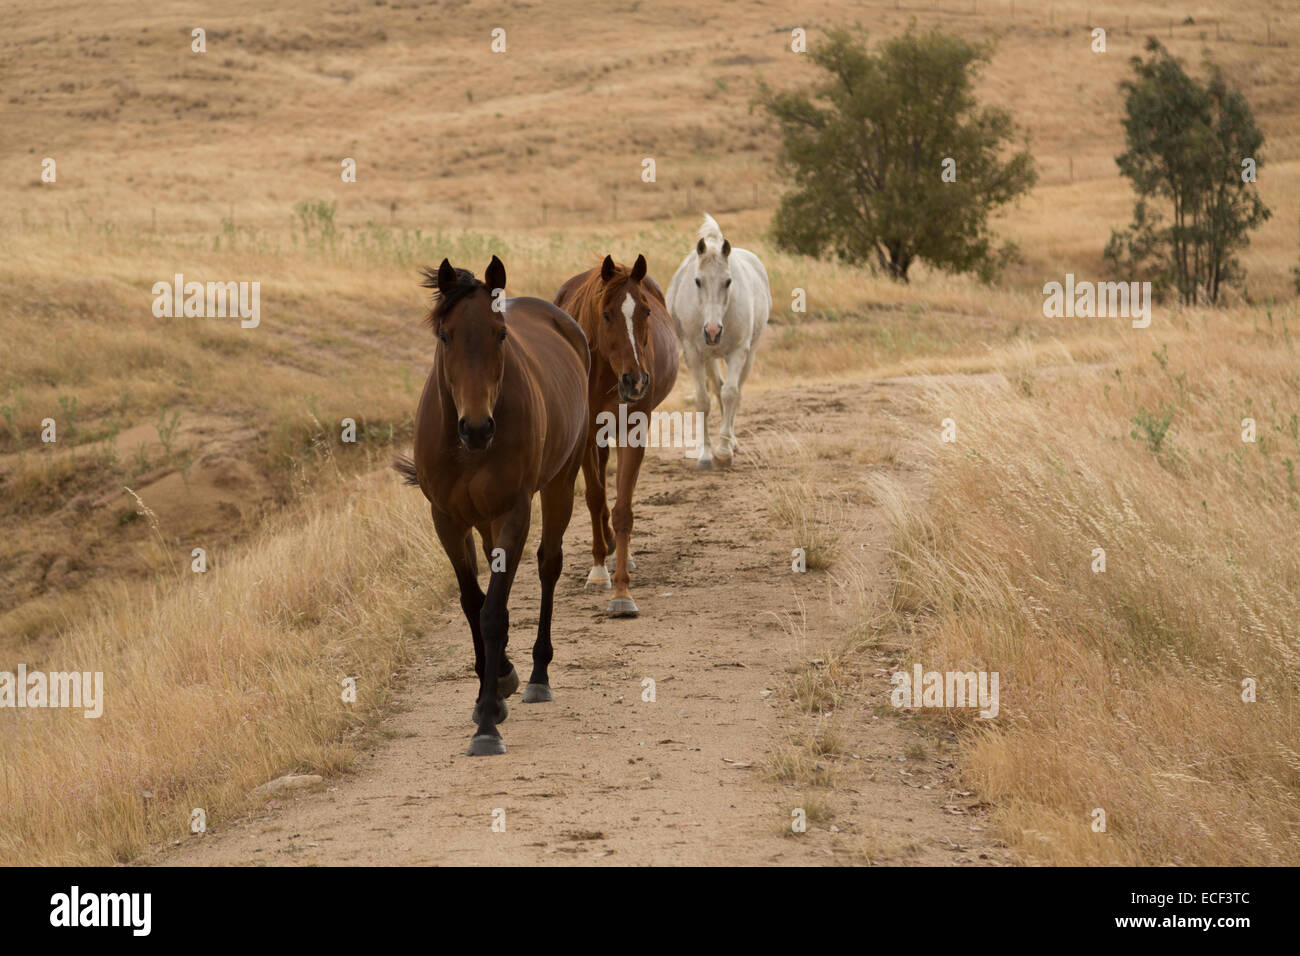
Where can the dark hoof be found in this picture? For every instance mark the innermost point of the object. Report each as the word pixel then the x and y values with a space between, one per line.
pixel 507 684
pixel 622 607
pixel 704 464
pixel 537 694
pixel 485 745
pixel 502 712
pixel 612 563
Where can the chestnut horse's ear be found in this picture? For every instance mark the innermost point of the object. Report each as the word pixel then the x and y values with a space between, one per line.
pixel 607 269
pixel 726 248
pixel 699 247
pixel 638 269
pixel 495 274
pixel 447 279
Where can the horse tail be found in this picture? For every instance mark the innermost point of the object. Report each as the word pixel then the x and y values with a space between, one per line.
pixel 709 229
pixel 406 468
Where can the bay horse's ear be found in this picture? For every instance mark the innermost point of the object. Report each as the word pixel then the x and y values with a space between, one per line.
pixel 495 274
pixel 726 248
pixel 638 269
pixel 447 279
pixel 607 269
pixel 699 247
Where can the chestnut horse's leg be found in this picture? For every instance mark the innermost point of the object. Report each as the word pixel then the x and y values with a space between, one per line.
pixel 509 533
pixel 593 476
pixel 629 465
pixel 557 509
pixel 602 455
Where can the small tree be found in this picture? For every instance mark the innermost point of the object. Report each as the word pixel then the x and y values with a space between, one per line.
pixel 1186 144
pixel 866 153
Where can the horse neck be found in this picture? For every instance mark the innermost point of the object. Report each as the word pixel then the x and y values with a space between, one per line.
pixel 587 297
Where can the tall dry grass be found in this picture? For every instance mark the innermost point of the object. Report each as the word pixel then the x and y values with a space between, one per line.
pixel 1123 690
pixel 224 680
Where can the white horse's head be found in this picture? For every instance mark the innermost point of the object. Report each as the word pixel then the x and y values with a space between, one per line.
pixel 713 278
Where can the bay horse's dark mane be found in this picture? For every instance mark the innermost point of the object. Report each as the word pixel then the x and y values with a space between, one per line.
pixel 466 284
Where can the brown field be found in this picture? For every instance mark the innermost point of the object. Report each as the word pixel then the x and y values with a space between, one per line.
pixel 1121 691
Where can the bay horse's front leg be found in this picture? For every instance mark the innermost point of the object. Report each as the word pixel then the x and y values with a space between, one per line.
pixel 557 509
pixel 509 533
pixel 629 466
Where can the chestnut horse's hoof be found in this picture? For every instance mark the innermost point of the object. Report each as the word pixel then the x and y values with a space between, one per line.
pixel 485 745
pixel 622 607
pixel 598 577
pixel 537 694
pixel 612 563
pixel 502 711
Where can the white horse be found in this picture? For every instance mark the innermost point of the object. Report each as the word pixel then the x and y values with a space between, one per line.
pixel 720 301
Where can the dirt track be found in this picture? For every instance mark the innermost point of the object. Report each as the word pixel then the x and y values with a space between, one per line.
pixel 601 776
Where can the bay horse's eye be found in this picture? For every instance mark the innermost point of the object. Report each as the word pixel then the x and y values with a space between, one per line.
pixel 442 337
pixel 606 314
pixel 501 337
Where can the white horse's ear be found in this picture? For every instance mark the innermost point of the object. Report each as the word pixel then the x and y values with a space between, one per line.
pixel 726 248
pixel 699 247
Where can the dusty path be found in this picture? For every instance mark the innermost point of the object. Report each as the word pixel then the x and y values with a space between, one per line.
pixel 601 775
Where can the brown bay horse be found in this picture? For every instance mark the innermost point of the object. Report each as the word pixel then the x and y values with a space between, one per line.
pixel 503 416
pixel 633 363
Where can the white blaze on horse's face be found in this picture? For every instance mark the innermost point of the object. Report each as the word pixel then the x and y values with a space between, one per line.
pixel 713 280
pixel 629 310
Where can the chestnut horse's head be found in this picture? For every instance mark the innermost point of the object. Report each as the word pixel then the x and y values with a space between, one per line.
pixel 469 318
pixel 623 330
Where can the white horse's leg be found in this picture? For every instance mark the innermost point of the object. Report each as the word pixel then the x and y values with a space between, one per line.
pixel 739 363
pixel 698 363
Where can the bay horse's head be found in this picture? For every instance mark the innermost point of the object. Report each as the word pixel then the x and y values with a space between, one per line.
pixel 713 281
pixel 470 321
pixel 623 332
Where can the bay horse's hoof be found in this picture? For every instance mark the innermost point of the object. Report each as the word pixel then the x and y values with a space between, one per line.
pixel 622 607
pixel 507 684
pixel 598 577
pixel 485 745
pixel 612 563
pixel 704 464
pixel 537 694
pixel 502 711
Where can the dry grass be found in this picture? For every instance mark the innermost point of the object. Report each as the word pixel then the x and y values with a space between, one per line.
pixel 1123 690
pixel 217 684
pixel 223 681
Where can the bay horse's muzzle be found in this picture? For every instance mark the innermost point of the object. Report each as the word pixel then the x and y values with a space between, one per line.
pixel 631 388
pixel 476 437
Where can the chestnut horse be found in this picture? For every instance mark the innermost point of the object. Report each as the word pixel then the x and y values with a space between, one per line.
pixel 633 362
pixel 503 416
